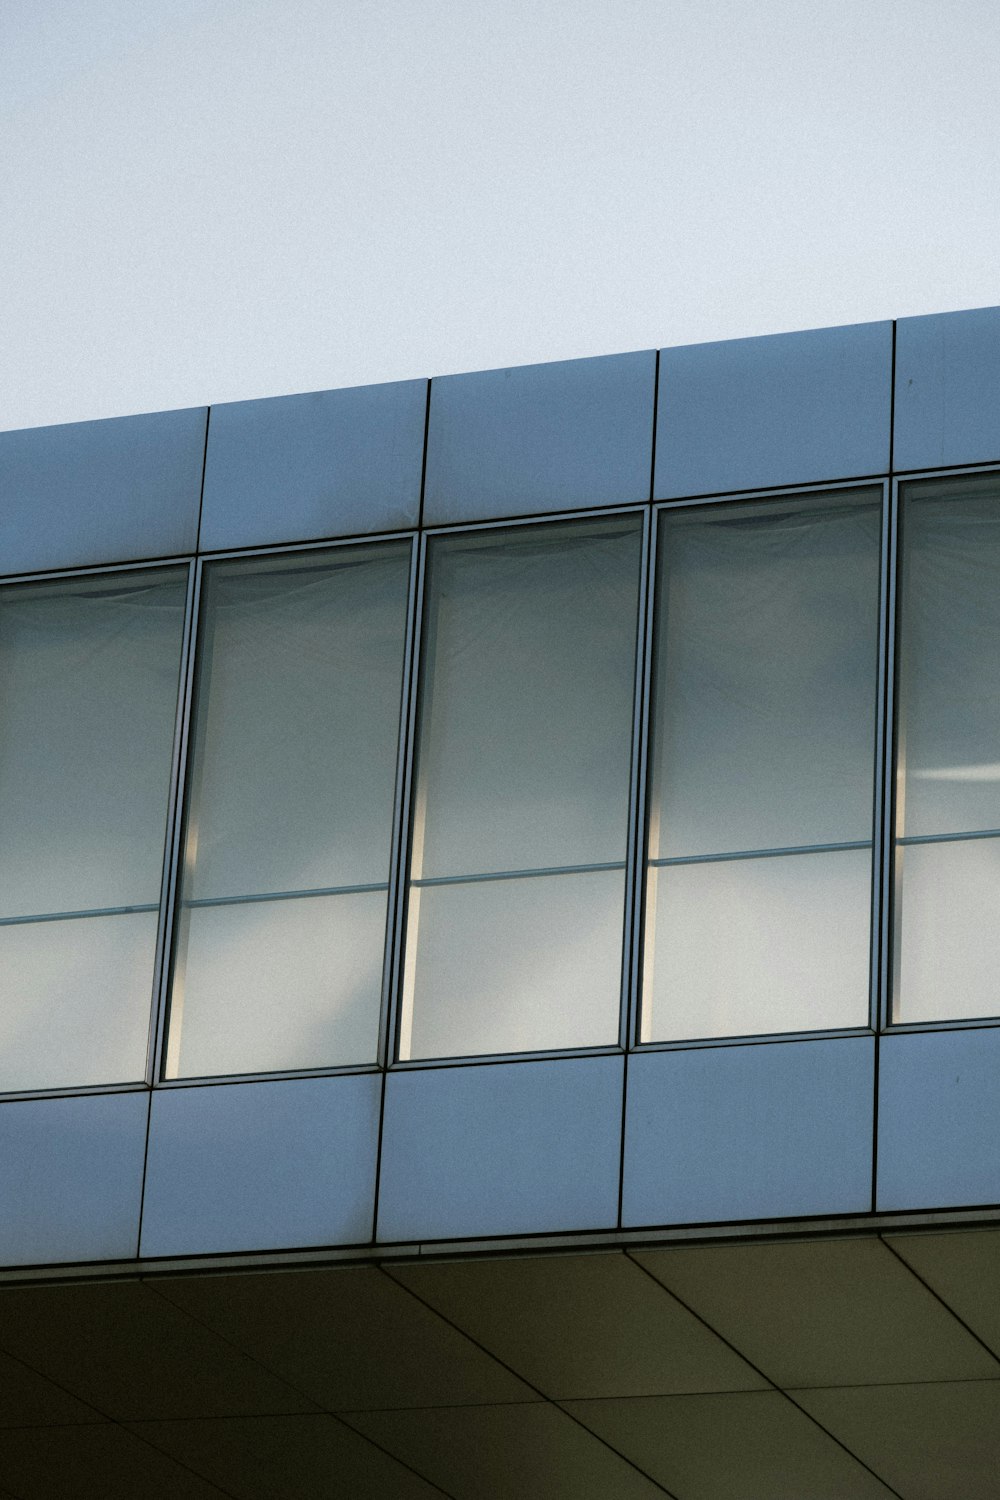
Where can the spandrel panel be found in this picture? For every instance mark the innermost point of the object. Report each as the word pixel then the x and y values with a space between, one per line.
pixel 745 947
pixel 947 930
pixel 76 1001
pixel 526 721
pixel 766 675
pixel 297 723
pixel 516 965
pixel 292 789
pixel 270 986
pixel 949 659
pixel 88 696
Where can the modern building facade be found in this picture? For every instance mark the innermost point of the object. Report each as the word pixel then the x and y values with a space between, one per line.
pixel 499 926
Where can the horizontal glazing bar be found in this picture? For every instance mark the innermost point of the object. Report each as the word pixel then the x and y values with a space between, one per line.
pixel 72 916
pixel 949 838
pixel 618 864
pixel 710 859
pixel 328 890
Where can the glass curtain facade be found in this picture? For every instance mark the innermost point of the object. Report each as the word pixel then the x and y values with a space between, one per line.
pixel 366 872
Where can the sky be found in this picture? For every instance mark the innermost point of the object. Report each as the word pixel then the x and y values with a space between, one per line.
pixel 210 200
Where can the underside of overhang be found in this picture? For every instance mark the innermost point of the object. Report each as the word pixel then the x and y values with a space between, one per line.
pixel 836 1366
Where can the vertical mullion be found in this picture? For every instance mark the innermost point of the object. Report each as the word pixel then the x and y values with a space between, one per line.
pixel 639 833
pixel 395 976
pixel 891 736
pixel 174 841
pixel 399 859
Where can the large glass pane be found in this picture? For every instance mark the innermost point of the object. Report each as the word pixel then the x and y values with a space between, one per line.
pixel 271 985
pixel 89 670
pixel 515 965
pixel 751 946
pixel 291 795
pixel 948 930
pixel 765 686
pixel 88 695
pixel 949 659
pixel 76 1000
pixel 948 751
pixel 523 766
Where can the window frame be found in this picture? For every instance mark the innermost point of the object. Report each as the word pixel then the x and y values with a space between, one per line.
pixel 876 487
pixel 886 1025
pixel 890 489
pixel 165 911
pixel 511 524
pixel 182 790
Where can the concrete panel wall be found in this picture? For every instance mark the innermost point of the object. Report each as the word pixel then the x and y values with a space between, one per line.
pixel 565 436
pixel 948 390
pixel 767 1131
pixel 101 492
pixel 250 1166
pixel 298 468
pixel 793 408
pixel 71 1178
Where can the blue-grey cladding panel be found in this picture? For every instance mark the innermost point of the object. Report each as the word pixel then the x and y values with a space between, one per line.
pixel 498 1149
pixel 101 492
pixel 947 389
pixel 939 1119
pixel 564 436
pixel 262 1166
pixel 327 464
pixel 791 408
pixel 71 1178
pixel 769 1131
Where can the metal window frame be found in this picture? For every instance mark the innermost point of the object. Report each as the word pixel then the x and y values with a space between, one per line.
pixel 419 539
pixel 901 482
pixel 641 510
pixel 181 806
pixel 875 486
pixel 187 562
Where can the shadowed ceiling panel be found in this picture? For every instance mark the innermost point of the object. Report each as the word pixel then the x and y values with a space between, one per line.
pixel 731 1447
pixel 493 1452
pixel 581 1325
pixel 296 1458
pixel 930 1442
pixel 132 1354
pixel 348 1337
pixel 94 1463
pixel 963 1267
pixel 823 1312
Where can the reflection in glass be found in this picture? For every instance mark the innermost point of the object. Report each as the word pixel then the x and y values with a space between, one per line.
pixel 76 1000
pixel 523 767
pixel 948 752
pixel 515 965
pixel 948 930
pixel 279 947
pixel 787 950
pixel 322 955
pixel 764 741
pixel 89 671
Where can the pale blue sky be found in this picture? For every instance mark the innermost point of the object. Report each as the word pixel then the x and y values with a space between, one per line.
pixel 204 200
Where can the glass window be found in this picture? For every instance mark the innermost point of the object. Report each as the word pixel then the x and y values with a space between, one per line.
pixel 89 671
pixel 521 795
pixel 280 936
pixel 758 884
pixel 947 855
